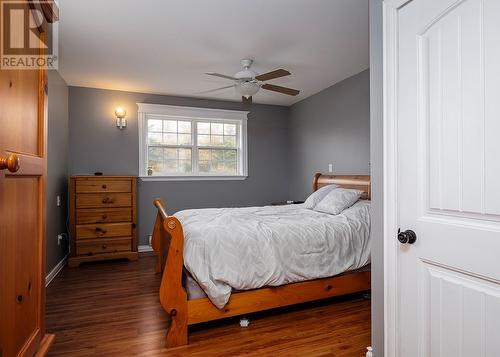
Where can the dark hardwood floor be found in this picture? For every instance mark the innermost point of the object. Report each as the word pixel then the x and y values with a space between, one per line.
pixel 112 309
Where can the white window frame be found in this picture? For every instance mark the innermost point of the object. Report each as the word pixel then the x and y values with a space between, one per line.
pixel 194 115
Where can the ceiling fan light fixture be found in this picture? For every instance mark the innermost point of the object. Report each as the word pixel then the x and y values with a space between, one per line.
pixel 247 82
pixel 247 89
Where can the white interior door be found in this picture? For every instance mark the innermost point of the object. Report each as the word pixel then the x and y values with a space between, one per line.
pixel 445 120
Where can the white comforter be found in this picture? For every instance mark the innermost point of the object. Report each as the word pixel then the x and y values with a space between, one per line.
pixel 248 248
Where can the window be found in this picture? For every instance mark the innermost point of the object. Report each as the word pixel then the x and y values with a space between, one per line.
pixel 191 143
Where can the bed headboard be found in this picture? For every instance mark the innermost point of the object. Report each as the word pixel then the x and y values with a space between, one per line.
pixel 358 182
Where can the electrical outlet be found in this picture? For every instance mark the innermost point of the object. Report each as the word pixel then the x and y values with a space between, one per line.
pixel 330 167
pixel 60 237
pixel 58 201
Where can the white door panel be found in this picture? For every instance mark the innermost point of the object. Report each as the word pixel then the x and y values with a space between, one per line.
pixel 462 317
pixel 447 123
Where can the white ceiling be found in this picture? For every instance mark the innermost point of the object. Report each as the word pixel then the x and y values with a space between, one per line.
pixel 165 46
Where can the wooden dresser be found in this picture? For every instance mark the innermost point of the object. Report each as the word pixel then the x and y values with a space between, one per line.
pixel 102 218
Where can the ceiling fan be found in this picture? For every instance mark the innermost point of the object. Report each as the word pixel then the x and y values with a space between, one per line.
pixel 248 83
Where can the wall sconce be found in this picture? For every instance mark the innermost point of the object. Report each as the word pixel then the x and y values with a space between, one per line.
pixel 121 122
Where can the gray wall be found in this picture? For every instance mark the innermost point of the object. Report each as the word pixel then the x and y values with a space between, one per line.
pixel 332 126
pixel 376 140
pixel 97 145
pixel 57 168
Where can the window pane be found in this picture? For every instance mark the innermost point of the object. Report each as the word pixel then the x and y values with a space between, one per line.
pixel 231 167
pixel 204 166
pixel 170 126
pixel 230 141
pixel 217 128
pixel 217 161
pixel 184 127
pixel 204 155
pixel 230 155
pixel 184 139
pixel 203 140
pixel 217 140
pixel 203 128
pixel 170 139
pixel 220 157
pixel 154 125
pixel 229 129
pixel 170 154
pixel 184 166
pixel 217 155
pixel 184 154
pixel 170 166
pixel 155 159
pixel 154 138
pixel 217 167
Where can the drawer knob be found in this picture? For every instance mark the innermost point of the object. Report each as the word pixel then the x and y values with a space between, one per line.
pixel 104 216
pixel 101 231
pixel 19 298
pixel 104 246
pixel 104 187
pixel 108 200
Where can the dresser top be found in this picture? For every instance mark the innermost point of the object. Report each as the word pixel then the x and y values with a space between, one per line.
pixel 102 176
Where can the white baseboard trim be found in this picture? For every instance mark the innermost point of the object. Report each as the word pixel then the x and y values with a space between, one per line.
pixel 144 248
pixel 53 273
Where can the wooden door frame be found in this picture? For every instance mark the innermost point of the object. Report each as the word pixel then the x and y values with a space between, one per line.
pixel 390 170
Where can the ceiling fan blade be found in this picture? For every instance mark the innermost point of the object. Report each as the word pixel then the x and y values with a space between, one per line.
pixel 246 100
pixel 215 89
pixel 277 73
pixel 280 89
pixel 220 75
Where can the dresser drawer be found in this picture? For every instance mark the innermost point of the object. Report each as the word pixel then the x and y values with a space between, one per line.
pixel 89 200
pixel 99 246
pixel 103 230
pixel 103 215
pixel 102 185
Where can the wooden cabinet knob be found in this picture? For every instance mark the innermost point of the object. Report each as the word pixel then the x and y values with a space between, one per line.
pixel 11 163
pixel 104 187
pixel 101 231
pixel 108 200
pixel 104 246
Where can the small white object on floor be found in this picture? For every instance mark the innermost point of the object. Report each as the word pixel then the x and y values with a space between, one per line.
pixel 369 351
pixel 244 322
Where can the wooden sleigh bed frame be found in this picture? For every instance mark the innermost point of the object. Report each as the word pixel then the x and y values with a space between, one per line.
pixel 168 242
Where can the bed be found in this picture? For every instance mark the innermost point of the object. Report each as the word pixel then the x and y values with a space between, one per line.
pixel 218 263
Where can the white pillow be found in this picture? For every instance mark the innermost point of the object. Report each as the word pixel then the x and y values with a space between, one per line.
pixel 318 195
pixel 338 200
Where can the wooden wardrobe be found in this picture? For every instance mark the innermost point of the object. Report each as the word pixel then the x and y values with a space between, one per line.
pixel 23 165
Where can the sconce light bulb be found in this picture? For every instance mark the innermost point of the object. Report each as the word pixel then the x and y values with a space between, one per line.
pixel 120 112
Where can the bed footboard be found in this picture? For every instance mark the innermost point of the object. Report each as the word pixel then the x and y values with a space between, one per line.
pixel 168 245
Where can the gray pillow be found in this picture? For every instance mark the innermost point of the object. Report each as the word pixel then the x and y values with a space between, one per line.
pixel 338 200
pixel 318 195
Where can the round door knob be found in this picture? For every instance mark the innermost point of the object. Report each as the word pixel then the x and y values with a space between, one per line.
pixel 11 163
pixel 407 237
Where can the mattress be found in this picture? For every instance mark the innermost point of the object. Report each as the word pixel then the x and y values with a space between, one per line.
pixel 194 290
pixel 228 249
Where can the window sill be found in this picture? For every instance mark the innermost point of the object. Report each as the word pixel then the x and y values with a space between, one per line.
pixel 193 178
